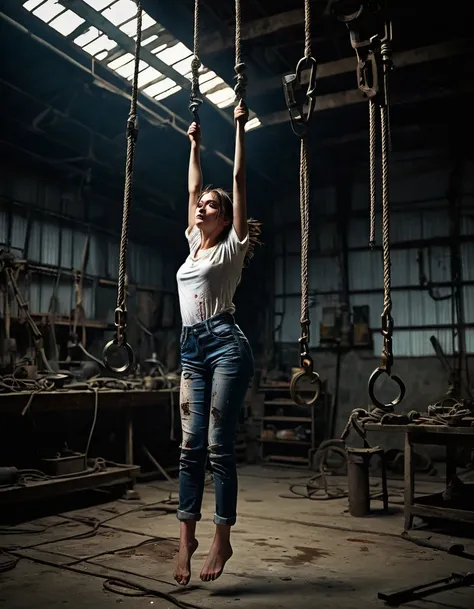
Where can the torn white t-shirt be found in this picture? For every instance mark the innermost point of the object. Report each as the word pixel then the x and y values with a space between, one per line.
pixel 207 281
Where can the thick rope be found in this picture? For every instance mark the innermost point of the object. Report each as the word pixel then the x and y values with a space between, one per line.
pixel 387 297
pixel 195 97
pixel 240 67
pixel 307 28
pixel 132 132
pixel 373 168
pixel 304 213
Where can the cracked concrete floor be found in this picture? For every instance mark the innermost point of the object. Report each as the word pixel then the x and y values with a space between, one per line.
pixel 287 553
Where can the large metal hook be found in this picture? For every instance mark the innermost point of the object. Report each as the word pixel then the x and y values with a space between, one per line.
pixel 373 379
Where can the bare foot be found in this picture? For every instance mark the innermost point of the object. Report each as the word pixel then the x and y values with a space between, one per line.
pixel 182 572
pixel 218 555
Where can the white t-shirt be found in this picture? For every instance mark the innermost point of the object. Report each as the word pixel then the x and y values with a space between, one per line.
pixel 207 282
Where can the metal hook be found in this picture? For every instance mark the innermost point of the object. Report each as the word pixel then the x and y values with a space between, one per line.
pixel 314 378
pixel 130 355
pixel 373 379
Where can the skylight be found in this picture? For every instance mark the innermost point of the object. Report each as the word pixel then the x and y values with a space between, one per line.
pixel 122 14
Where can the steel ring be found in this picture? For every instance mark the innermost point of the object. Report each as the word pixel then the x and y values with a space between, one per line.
pixel 371 388
pixel 130 356
pixel 293 388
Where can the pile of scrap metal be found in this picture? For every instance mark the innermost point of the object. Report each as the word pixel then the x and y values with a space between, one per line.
pixel 29 369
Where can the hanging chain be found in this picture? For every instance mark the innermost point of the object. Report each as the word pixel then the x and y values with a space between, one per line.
pixel 132 135
pixel 240 68
pixel 195 99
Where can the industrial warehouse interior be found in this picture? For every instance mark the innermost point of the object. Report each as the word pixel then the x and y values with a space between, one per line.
pixel 236 304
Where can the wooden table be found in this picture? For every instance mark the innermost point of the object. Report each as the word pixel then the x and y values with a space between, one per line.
pixel 74 400
pixel 439 435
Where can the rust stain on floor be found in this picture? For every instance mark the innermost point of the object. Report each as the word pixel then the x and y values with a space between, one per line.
pixel 158 550
pixel 304 555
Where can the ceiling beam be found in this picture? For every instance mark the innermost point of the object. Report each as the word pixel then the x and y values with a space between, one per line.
pixel 401 59
pixel 213 43
pixel 152 115
pixel 128 44
pixel 345 98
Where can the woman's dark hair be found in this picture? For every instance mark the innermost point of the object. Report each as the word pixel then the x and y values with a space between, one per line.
pixel 226 209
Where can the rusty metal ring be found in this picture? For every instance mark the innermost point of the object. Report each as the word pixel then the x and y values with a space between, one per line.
pixel 130 356
pixel 391 405
pixel 314 376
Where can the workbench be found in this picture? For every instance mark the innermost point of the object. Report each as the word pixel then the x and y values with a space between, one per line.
pixel 80 400
pixel 432 506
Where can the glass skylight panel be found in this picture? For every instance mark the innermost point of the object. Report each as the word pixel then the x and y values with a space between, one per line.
pixel 127 70
pixel 122 14
pixel 184 66
pixel 49 10
pixel 66 23
pixel 32 4
pixel 159 87
pixel 148 75
pixel 121 11
pixel 149 40
pixel 88 36
pixel 211 84
pixel 222 98
pixel 120 61
pixel 168 93
pixel 174 53
pixel 130 28
pixel 98 5
pixel 252 124
pixel 103 43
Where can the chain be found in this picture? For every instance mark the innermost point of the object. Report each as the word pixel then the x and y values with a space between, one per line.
pixel 240 67
pixel 373 168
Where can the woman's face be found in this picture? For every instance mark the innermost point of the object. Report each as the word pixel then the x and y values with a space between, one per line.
pixel 208 216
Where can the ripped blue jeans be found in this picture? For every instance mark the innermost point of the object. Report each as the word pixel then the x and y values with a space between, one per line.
pixel 217 366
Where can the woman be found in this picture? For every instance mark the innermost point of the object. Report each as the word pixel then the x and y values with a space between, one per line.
pixel 217 362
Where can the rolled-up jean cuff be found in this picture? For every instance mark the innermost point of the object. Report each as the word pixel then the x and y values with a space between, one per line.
pixel 225 521
pixel 188 516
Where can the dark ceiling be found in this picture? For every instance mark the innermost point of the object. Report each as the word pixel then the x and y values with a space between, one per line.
pixel 57 115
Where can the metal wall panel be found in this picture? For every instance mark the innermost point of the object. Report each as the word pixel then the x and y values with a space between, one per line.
pixel 290 330
pixel 467 257
pixel 365 270
pixel 49 243
pixel 3 227
pixel 78 242
pixel 113 259
pixel 19 224
pixel 66 248
pixel 34 245
pixel 97 256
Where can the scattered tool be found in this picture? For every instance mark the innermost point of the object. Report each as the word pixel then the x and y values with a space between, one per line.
pixel 455 580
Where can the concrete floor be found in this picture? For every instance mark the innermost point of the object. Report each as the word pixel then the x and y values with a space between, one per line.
pixel 288 553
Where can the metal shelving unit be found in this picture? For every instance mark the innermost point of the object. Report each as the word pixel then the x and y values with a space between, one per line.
pixel 281 413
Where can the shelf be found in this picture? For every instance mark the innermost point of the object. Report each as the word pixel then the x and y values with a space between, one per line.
pixel 278 441
pixel 279 402
pixel 289 419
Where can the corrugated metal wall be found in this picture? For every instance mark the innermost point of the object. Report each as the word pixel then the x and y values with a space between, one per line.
pixel 29 200
pixel 419 187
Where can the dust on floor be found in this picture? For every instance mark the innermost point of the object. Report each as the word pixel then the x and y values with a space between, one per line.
pixel 287 553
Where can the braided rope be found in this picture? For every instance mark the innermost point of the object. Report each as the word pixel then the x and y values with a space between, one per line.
pixel 132 131
pixel 307 28
pixel 304 213
pixel 373 168
pixel 195 100
pixel 240 67
pixel 387 298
